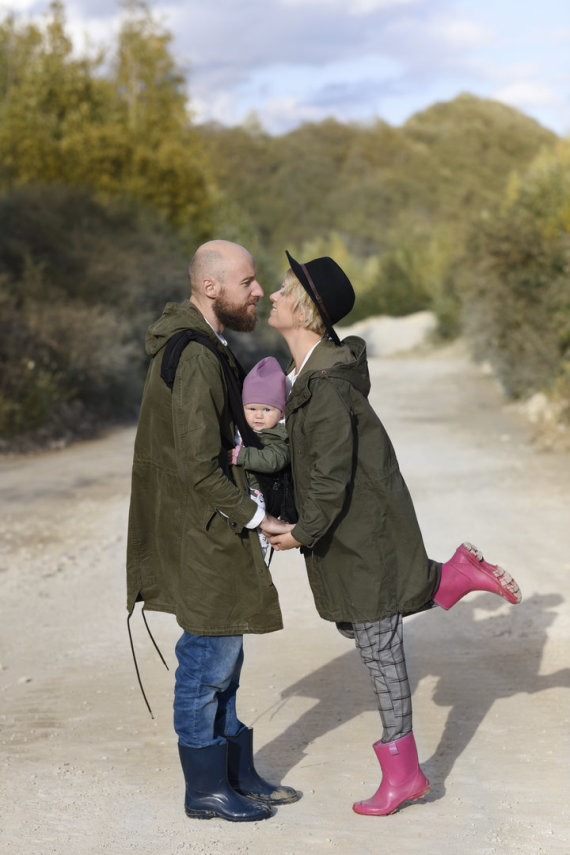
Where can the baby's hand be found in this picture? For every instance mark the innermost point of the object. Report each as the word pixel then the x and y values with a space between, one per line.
pixel 233 454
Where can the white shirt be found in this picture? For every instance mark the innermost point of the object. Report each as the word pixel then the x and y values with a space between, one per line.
pixel 292 376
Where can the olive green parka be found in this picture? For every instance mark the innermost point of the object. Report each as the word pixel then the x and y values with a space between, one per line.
pixel 188 551
pixel 362 544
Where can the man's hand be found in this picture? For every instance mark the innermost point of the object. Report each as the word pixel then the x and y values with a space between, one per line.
pixel 271 525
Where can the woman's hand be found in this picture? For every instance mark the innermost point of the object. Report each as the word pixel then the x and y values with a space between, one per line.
pixel 280 542
pixel 278 533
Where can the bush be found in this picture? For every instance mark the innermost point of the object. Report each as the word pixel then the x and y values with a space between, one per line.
pixel 79 284
pixel 517 294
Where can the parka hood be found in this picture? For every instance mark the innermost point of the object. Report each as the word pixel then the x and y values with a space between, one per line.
pixel 175 317
pixel 347 363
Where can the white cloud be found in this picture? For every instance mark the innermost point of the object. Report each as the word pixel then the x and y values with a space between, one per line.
pixel 527 94
pixel 220 107
pixel 359 7
pixel 92 33
pixel 17 7
pixel 460 33
pixel 287 112
pixel 364 7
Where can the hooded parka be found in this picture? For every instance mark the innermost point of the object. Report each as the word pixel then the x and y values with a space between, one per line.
pixel 188 550
pixel 362 544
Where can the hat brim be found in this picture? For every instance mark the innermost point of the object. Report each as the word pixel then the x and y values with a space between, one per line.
pixel 302 277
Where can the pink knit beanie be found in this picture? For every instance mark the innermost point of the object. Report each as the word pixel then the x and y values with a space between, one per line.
pixel 266 384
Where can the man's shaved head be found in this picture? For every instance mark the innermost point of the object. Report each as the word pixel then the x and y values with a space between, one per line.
pixel 211 260
pixel 224 286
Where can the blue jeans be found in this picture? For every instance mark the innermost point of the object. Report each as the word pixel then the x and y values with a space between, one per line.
pixel 206 682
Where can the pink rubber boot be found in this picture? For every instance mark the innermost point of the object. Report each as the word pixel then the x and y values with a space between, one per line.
pixel 402 778
pixel 467 571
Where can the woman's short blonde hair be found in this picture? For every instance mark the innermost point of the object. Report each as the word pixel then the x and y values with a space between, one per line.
pixel 311 319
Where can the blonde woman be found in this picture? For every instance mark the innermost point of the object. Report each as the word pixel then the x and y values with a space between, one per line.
pixel 357 528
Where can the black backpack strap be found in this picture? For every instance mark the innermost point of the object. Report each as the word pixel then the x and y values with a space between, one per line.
pixel 173 351
pixel 171 357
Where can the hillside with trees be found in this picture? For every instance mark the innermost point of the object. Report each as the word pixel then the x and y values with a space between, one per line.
pixel 107 185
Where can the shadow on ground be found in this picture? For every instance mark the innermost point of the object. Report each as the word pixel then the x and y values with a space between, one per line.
pixel 492 657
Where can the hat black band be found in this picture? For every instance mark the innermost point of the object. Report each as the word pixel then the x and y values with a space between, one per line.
pixel 316 295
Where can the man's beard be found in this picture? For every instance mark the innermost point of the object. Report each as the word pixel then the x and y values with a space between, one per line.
pixel 237 318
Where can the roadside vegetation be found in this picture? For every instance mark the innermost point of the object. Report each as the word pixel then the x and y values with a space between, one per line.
pixel 107 185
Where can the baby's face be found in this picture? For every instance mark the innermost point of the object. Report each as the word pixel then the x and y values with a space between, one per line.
pixel 261 416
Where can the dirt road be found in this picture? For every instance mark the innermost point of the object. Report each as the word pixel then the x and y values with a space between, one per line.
pixel 86 770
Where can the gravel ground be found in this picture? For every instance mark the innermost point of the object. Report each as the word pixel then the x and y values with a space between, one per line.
pixel 87 770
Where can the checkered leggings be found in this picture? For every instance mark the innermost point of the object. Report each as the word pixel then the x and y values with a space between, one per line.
pixel 381 647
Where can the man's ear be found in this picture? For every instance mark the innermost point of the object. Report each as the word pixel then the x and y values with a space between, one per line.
pixel 210 288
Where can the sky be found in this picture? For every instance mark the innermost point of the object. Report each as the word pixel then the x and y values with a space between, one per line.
pixel 292 61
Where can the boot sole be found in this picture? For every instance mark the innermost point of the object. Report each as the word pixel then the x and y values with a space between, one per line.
pixel 211 814
pixel 394 810
pixel 267 800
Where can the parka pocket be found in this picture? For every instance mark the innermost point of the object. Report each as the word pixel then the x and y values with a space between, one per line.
pixel 207 518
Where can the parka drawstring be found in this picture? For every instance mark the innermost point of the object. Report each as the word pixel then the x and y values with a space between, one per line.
pixel 135 658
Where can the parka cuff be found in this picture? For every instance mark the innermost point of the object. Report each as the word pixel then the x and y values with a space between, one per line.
pixel 243 520
pixel 303 536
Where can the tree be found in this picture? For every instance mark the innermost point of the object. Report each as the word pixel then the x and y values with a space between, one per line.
pixel 48 96
pixel 168 166
pixel 122 128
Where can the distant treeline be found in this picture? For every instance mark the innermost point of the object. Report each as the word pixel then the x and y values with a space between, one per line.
pixel 107 186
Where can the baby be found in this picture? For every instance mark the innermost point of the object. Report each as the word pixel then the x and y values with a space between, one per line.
pixel 268 469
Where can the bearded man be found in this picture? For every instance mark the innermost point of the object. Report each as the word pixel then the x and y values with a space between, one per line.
pixel 192 546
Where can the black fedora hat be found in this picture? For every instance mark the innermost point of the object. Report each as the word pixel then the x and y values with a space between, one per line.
pixel 329 288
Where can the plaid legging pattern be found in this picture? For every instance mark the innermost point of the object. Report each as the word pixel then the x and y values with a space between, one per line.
pixel 381 647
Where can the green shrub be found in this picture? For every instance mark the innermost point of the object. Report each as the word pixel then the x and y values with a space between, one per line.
pixel 517 291
pixel 79 284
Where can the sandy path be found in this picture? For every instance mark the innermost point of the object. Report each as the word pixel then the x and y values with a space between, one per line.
pixel 85 768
